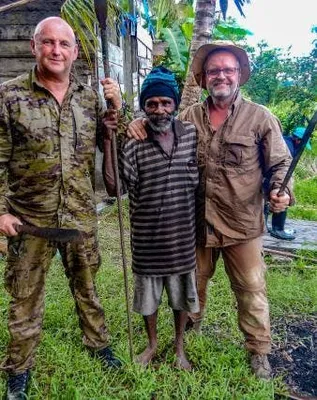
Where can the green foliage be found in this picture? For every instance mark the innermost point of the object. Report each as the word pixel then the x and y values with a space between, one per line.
pixel 164 15
pixel 286 85
pixel 174 25
pixel 80 15
pixel 177 51
pixel 305 186
pixel 263 83
pixel 291 290
pixel 302 212
pixel 306 191
pixel 230 30
pixel 290 113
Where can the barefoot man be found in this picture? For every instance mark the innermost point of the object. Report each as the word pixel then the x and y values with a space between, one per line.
pixel 161 176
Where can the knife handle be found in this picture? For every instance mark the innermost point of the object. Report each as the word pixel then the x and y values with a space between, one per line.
pixel 24 229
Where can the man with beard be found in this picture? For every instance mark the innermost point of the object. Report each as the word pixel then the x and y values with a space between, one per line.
pixel 161 176
pixel 239 143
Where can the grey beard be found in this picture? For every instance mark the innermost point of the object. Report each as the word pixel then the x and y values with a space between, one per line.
pixel 161 127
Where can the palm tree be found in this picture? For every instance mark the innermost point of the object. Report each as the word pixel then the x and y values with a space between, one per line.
pixel 203 26
pixel 80 13
pixel 205 19
pixel 81 16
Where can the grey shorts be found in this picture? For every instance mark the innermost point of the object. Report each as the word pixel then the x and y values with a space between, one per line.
pixel 181 292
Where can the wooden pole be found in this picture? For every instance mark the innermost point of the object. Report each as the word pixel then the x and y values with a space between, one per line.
pixel 288 254
pixel 102 13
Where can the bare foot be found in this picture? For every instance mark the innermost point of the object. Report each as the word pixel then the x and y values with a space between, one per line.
pixel 146 356
pixel 182 362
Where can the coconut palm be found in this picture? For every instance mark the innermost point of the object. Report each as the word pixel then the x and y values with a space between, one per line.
pixel 81 16
pixel 205 20
pixel 80 13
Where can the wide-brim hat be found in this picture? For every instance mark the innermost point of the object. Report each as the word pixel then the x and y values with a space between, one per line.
pixel 204 51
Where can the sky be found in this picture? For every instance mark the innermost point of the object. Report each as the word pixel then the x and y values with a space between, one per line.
pixel 280 23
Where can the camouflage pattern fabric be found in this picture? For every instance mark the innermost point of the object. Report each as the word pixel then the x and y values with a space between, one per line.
pixel 47 153
pixel 27 267
pixel 47 168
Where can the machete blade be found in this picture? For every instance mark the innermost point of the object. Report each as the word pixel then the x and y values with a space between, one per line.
pixel 54 234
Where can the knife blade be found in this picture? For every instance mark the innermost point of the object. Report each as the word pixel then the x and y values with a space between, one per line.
pixel 61 235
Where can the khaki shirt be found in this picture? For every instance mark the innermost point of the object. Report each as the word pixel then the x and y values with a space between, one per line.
pixel 233 161
pixel 47 153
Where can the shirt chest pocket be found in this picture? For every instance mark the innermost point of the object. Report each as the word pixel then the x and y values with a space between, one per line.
pixel 84 129
pixel 240 151
pixel 32 131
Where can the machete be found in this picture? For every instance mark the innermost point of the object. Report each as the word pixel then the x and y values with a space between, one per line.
pixel 101 9
pixel 54 234
pixel 308 132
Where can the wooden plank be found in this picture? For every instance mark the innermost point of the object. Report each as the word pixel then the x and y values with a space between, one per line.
pixel 10 69
pixel 13 69
pixel 32 17
pixel 34 5
pixel 15 48
pixel 14 31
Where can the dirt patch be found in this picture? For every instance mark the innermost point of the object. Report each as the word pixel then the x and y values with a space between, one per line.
pixel 294 354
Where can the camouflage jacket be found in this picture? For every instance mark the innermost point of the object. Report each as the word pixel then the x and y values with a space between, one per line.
pixel 47 153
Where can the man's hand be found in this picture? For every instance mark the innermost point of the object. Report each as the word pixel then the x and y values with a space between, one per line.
pixel 278 203
pixel 136 129
pixel 7 222
pixel 110 121
pixel 111 92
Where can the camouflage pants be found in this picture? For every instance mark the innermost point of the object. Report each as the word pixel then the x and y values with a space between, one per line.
pixel 246 270
pixel 28 262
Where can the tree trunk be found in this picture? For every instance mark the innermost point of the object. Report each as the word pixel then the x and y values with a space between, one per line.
pixel 203 27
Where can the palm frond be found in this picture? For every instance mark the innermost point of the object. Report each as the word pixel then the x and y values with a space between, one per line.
pixel 80 15
pixel 224 7
pixel 177 46
pixel 239 4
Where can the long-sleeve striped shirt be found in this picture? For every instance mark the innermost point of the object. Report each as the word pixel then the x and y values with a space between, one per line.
pixel 162 202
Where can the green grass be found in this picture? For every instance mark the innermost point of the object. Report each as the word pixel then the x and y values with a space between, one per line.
pixel 302 212
pixel 64 370
pixel 306 199
pixel 305 187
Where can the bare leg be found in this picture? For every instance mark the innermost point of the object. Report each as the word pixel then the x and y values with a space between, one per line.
pixel 150 325
pixel 180 318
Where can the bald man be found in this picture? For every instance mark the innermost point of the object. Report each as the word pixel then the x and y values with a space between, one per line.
pixel 49 126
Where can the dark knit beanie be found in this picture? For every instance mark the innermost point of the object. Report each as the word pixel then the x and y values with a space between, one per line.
pixel 159 82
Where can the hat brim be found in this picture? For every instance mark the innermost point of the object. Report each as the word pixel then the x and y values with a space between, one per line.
pixel 202 53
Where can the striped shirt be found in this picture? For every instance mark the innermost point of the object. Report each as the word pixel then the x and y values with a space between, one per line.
pixel 162 201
